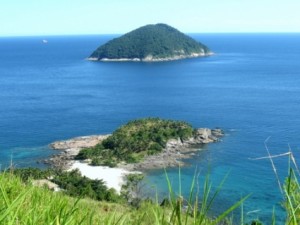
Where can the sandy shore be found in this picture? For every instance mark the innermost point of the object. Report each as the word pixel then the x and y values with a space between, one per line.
pixel 112 177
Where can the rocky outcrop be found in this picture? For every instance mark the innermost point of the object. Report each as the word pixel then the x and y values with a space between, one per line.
pixel 176 150
pixel 70 148
pixel 46 183
pixel 151 59
pixel 79 142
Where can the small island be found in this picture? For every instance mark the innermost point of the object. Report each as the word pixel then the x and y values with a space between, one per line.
pixel 151 43
pixel 149 143
pixel 140 145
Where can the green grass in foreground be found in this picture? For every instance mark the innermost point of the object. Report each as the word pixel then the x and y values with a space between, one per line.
pixel 71 182
pixel 30 205
pixel 22 203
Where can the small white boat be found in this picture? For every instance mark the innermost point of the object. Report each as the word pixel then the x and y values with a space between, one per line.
pixel 45 41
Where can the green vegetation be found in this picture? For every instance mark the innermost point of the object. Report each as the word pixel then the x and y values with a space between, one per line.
pixel 76 185
pixel 292 195
pixel 71 182
pixel 132 142
pixel 30 173
pixel 23 203
pixel 157 41
pixel 85 201
pixel 131 190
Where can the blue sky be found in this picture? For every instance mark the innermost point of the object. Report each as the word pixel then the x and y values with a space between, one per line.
pixel 60 17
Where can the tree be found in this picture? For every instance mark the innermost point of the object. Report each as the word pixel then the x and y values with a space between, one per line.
pixel 132 189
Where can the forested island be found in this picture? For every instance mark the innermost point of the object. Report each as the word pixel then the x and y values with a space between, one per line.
pixel 150 43
pixel 142 143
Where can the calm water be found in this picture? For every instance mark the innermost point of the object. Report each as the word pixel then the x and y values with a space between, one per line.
pixel 250 88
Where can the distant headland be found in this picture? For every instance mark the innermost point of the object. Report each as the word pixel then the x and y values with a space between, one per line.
pixel 151 43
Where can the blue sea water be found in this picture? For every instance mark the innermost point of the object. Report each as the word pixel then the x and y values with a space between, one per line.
pixel 249 88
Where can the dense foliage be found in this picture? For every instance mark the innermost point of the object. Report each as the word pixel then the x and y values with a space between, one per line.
pixel 31 173
pixel 158 41
pixel 23 203
pixel 71 182
pixel 138 138
pixel 76 185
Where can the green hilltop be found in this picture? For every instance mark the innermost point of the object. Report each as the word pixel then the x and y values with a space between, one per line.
pixel 138 138
pixel 159 42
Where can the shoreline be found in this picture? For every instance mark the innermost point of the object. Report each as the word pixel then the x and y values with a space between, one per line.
pixel 151 59
pixel 171 156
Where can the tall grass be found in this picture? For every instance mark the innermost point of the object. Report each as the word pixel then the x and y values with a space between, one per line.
pixel 196 212
pixel 26 204
pixel 290 189
pixel 292 198
pixel 30 205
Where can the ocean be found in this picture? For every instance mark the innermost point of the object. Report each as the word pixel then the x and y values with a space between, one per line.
pixel 249 88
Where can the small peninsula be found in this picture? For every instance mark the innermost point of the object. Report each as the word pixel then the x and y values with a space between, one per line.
pixel 151 43
pixel 141 144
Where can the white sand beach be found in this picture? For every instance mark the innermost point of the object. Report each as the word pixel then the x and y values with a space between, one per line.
pixel 113 177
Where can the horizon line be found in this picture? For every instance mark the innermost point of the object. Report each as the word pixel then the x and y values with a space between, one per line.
pixel 92 34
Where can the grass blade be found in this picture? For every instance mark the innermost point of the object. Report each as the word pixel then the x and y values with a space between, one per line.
pixel 224 214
